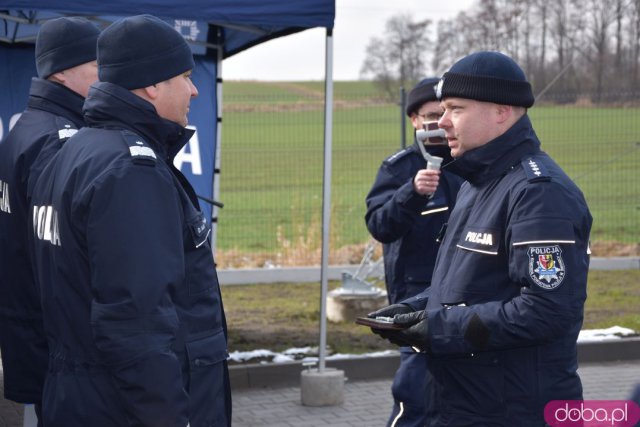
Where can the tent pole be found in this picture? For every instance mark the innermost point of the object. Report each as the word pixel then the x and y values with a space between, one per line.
pixel 326 195
pixel 216 160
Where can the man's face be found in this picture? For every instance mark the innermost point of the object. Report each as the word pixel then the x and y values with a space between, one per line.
pixel 174 97
pixel 468 124
pixel 428 112
pixel 80 77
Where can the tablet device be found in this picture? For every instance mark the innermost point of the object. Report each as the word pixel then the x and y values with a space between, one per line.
pixel 379 323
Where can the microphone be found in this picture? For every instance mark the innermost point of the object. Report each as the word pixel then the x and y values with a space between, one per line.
pixel 433 162
pixel 433 136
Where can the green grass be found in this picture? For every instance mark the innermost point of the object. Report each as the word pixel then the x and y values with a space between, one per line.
pixel 613 299
pixel 272 158
pixel 285 315
pixel 341 90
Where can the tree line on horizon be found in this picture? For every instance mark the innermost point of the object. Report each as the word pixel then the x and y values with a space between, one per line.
pixel 565 47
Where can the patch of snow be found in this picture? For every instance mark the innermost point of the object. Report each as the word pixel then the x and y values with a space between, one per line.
pixel 301 350
pixel 309 355
pixel 612 333
pixel 242 356
pixel 282 358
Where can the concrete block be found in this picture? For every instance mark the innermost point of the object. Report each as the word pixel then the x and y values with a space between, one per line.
pixel 343 307
pixel 324 388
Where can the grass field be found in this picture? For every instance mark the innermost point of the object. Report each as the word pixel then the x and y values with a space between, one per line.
pixel 271 163
pixel 285 315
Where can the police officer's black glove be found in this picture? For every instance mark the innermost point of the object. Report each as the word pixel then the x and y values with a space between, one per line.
pixel 391 310
pixel 415 334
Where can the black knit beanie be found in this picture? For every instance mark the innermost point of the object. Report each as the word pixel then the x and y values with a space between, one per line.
pixel 489 77
pixel 424 91
pixel 140 51
pixel 64 43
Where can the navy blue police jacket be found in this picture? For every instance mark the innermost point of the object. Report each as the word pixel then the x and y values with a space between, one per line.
pixel 407 223
pixel 53 114
pixel 132 311
pixel 507 298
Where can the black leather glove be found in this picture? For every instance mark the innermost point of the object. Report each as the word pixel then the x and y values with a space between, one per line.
pixel 391 310
pixel 415 334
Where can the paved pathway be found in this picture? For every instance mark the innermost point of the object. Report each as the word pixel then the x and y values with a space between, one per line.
pixel 367 403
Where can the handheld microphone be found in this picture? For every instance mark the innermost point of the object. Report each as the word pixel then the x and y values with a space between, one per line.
pixel 433 136
pixel 433 162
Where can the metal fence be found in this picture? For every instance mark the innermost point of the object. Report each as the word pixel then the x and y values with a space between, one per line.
pixel 271 169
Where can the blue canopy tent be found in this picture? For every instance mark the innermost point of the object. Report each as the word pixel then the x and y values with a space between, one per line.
pixel 215 29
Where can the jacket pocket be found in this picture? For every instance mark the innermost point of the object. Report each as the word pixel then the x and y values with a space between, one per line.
pixel 208 392
pixel 201 277
pixel 199 230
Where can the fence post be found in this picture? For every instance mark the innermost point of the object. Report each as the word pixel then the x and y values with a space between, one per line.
pixel 403 119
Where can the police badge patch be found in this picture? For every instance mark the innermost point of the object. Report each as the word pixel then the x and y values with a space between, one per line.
pixel 546 267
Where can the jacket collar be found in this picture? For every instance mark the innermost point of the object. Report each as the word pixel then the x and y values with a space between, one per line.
pixel 497 156
pixel 56 99
pixel 112 106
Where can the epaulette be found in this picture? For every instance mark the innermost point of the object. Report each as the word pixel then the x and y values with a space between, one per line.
pixel 66 128
pixel 535 171
pixel 397 156
pixel 141 152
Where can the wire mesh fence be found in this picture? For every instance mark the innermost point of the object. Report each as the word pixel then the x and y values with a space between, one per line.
pixel 271 168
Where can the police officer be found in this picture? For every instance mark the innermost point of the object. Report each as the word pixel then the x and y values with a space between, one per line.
pixel 406 209
pixel 507 298
pixel 133 312
pixel 66 64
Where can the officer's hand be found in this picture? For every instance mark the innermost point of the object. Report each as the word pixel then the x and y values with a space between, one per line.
pixel 391 310
pixel 415 334
pixel 426 181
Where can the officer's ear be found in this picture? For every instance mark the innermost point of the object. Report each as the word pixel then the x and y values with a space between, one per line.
pixel 149 93
pixel 503 113
pixel 58 77
pixel 152 91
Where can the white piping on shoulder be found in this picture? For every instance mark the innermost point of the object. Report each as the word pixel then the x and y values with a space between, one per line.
pixel 478 250
pixel 543 242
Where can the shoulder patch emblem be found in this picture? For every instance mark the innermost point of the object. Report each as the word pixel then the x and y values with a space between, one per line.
pixel 397 155
pixel 67 132
pixel 140 152
pixel 66 129
pixel 546 266
pixel 535 171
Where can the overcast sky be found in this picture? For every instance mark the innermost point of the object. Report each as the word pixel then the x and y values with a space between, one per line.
pixel 301 56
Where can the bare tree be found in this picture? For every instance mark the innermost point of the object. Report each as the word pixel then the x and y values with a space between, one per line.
pixel 636 44
pixel 399 58
pixel 563 45
pixel 618 17
pixel 455 38
pixel 600 16
pixel 542 7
